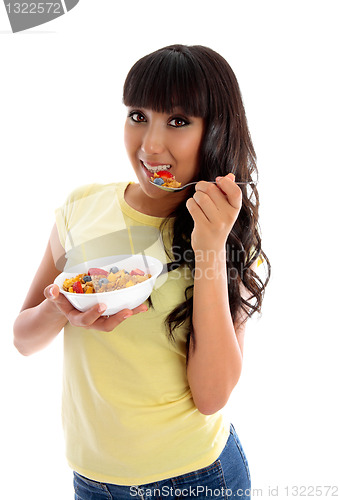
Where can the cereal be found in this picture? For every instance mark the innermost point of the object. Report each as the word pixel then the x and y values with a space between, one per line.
pixel 98 280
pixel 164 178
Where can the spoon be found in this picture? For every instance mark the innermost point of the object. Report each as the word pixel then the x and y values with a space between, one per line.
pixel 165 188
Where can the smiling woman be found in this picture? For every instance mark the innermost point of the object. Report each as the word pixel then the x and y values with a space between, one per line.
pixel 143 393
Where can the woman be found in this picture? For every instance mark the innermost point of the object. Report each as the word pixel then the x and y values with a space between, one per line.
pixel 143 394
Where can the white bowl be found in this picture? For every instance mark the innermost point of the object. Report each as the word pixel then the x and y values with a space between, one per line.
pixel 116 300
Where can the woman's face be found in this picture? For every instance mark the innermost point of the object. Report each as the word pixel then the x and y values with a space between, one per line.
pixel 161 141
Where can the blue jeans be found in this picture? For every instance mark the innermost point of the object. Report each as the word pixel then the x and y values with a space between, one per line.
pixel 228 477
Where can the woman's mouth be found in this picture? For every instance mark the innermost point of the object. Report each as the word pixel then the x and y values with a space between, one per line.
pixel 154 168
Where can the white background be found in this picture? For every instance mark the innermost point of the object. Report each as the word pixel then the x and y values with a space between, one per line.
pixel 61 124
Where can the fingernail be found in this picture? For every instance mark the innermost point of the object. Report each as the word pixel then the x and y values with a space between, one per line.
pixel 127 316
pixel 231 176
pixel 101 308
pixel 50 292
pixel 218 179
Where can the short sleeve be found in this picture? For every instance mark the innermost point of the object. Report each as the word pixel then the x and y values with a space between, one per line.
pixel 66 215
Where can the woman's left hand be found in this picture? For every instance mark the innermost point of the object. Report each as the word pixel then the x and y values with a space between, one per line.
pixel 214 209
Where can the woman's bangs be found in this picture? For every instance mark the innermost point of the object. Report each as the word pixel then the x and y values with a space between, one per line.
pixel 166 82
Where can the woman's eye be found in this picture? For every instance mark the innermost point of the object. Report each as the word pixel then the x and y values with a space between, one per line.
pixel 137 117
pixel 178 122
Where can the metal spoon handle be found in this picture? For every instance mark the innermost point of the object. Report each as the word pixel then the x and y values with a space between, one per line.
pixel 165 188
pixel 214 182
pixel 238 183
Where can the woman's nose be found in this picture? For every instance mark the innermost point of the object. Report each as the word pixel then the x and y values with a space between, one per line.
pixel 153 140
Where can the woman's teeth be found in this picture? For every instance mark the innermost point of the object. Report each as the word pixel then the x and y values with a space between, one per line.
pixel 156 168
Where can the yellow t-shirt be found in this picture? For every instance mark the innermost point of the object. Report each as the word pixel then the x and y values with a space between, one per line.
pixel 128 413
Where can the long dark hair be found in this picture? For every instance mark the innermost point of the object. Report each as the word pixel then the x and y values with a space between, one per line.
pixel 201 82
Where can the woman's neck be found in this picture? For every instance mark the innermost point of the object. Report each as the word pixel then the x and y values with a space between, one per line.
pixel 137 199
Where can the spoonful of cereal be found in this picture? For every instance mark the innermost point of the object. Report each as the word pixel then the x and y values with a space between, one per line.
pixel 166 181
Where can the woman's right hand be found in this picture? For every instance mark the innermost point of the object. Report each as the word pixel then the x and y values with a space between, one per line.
pixel 90 319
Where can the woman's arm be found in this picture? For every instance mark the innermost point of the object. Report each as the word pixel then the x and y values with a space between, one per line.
pixel 45 311
pixel 215 360
pixel 39 321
